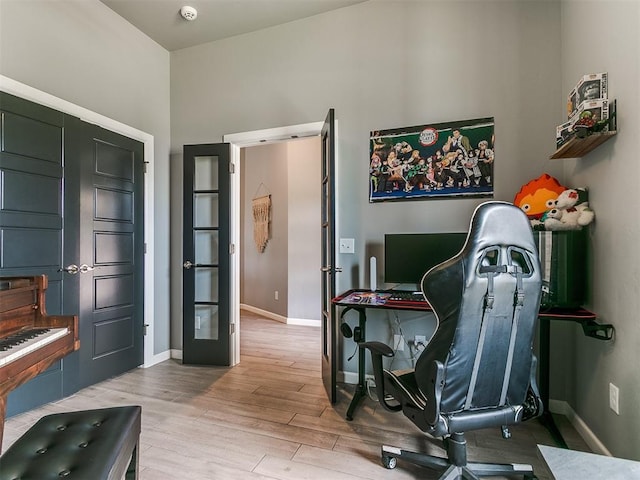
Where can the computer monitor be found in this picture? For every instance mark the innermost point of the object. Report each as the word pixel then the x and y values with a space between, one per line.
pixel 407 256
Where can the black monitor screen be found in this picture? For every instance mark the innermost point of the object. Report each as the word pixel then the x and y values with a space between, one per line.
pixel 407 256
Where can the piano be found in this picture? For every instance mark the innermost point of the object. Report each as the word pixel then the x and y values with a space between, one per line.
pixel 30 340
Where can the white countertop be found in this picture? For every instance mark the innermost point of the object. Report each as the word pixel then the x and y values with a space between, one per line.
pixel 573 465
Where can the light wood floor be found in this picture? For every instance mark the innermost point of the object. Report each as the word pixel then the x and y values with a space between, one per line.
pixel 269 418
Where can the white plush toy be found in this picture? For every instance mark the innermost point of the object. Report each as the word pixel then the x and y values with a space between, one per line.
pixel 572 211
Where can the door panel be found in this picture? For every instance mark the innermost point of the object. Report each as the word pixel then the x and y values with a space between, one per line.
pixel 329 331
pixel 30 248
pixel 206 273
pixel 20 131
pixel 31 221
pixel 104 203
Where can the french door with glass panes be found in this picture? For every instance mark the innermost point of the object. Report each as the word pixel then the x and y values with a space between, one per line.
pixel 206 255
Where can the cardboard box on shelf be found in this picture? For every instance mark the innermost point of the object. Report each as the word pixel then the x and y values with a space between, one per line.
pixel 590 87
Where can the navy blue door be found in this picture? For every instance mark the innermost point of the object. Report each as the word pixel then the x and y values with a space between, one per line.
pixel 71 208
pixel 104 219
pixel 31 218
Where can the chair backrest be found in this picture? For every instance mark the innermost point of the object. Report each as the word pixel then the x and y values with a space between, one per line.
pixel 486 302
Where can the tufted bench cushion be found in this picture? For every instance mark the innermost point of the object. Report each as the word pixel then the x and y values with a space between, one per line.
pixel 85 445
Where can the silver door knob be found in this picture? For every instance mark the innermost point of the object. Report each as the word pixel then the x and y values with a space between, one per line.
pixel 330 269
pixel 187 264
pixel 84 268
pixel 71 269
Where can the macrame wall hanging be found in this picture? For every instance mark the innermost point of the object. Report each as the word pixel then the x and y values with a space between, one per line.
pixel 261 207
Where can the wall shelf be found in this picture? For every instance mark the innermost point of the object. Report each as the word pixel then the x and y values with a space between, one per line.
pixel 579 147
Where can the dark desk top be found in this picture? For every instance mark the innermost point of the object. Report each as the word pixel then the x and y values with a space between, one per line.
pixel 379 299
pixel 559 313
pixel 388 299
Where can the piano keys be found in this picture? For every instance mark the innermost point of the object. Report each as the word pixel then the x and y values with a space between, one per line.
pixel 18 345
pixel 30 340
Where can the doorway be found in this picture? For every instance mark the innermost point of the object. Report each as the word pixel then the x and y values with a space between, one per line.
pixel 238 142
pixel 279 272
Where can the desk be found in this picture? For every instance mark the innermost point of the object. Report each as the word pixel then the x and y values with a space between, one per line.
pixel 359 301
pixel 571 465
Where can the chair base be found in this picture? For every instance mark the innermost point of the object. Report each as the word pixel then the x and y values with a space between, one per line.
pixel 455 467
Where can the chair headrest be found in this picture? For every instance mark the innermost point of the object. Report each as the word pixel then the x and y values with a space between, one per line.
pixel 499 223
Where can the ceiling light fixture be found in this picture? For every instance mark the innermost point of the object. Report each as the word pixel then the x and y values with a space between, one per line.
pixel 188 13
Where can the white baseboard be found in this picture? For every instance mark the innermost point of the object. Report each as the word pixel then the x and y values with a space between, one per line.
pixel 351 377
pixel 177 354
pixel 305 322
pixel 563 408
pixel 160 357
pixel 280 318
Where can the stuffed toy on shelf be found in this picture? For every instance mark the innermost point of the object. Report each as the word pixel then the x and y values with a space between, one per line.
pixel 552 206
pixel 571 212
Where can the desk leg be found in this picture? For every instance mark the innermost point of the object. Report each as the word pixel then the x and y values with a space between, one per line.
pixel 361 389
pixel 545 351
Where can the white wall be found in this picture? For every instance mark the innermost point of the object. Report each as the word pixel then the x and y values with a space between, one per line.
pixel 382 65
pixel 84 53
pixel 304 175
pixel 290 263
pixel 264 171
pixel 611 172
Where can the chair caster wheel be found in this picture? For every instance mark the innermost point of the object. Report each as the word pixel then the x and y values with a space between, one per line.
pixel 389 462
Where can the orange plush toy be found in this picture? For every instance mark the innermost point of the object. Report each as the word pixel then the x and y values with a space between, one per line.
pixel 538 196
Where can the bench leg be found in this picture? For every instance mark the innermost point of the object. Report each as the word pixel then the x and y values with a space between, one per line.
pixel 132 470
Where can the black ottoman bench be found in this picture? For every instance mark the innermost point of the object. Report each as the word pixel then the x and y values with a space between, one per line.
pixel 97 444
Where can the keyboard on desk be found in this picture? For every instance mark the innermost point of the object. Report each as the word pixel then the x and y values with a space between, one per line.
pixel 406 296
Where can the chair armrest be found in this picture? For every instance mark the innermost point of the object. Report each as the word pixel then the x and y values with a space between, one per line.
pixel 378 350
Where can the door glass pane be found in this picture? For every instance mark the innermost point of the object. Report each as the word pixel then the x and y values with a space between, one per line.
pixel 206 246
pixel 206 322
pixel 205 209
pixel 205 173
pixel 206 284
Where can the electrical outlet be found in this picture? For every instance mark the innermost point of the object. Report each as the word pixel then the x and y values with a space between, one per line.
pixel 420 341
pixel 276 294
pixel 398 343
pixel 614 398
pixel 347 245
